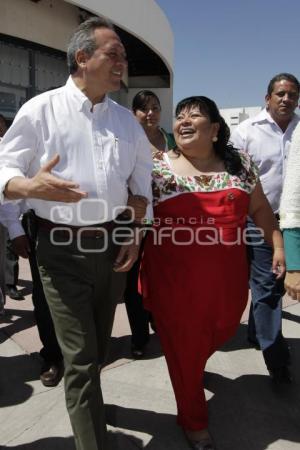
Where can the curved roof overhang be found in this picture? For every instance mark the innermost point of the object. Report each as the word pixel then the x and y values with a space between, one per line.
pixel 145 32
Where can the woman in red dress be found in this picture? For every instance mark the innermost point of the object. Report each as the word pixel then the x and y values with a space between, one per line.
pixel 194 270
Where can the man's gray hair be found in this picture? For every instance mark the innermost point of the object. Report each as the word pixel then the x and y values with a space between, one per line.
pixel 83 39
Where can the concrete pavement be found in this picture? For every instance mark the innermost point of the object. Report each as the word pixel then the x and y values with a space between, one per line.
pixel 246 411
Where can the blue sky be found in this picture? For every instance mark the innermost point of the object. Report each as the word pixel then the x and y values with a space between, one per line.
pixel 229 50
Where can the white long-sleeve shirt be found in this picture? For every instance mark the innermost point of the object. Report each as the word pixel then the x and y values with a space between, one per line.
pixel 101 147
pixel 290 199
pixel 268 146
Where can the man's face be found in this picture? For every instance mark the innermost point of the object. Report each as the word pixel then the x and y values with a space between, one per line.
pixel 105 68
pixel 283 100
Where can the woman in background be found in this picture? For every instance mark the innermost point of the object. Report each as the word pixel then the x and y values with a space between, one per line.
pixel 147 109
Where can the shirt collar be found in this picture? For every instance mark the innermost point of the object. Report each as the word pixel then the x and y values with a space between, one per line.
pixel 264 116
pixel 81 100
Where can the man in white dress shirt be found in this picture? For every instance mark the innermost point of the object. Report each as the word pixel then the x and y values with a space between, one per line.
pixel 267 137
pixel 80 151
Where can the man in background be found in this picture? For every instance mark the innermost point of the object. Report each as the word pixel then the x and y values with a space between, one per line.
pixel 267 138
pixel 3 236
pixel 10 261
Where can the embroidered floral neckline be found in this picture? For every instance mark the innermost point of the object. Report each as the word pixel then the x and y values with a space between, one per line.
pixel 166 183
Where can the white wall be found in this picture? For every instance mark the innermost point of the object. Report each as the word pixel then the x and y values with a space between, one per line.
pixel 49 22
pixel 234 116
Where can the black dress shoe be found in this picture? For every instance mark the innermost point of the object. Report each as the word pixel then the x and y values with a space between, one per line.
pixel 280 375
pixel 137 352
pixel 13 293
pixel 51 373
pixel 254 343
pixel 201 444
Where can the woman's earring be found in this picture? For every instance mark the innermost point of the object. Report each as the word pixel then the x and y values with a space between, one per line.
pixel 215 138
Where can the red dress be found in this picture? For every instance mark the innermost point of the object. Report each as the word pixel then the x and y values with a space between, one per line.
pixel 194 273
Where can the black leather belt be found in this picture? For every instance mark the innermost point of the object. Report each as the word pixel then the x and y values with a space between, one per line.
pixel 90 231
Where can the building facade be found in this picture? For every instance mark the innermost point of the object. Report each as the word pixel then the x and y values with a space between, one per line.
pixel 234 116
pixel 34 36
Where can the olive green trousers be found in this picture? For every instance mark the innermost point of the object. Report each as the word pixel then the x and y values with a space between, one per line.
pixel 82 291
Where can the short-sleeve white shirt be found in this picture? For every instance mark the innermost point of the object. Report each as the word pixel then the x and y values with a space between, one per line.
pixel 268 146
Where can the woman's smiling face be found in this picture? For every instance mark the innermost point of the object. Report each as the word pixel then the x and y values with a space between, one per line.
pixel 194 129
pixel 149 115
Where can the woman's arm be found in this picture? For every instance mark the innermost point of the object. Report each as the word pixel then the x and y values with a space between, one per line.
pixel 262 215
pixel 292 250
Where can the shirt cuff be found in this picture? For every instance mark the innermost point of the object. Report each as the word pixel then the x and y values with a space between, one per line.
pixel 6 174
pixel 291 238
pixel 149 213
pixel 15 230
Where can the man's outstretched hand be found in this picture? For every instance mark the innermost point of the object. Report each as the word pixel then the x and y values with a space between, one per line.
pixel 44 186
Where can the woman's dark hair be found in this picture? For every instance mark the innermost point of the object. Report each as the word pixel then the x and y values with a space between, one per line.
pixel 223 148
pixel 141 99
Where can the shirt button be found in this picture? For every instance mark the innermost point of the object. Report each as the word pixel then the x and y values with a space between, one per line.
pixel 100 165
